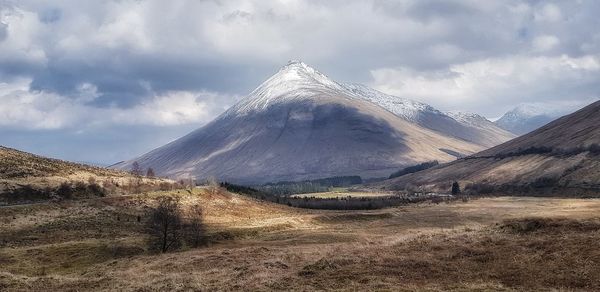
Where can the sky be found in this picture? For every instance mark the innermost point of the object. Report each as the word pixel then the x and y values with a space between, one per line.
pixel 105 81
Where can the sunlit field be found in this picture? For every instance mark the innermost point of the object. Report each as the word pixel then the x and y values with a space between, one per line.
pixel 502 243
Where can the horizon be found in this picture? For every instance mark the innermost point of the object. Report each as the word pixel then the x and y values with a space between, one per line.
pixel 105 82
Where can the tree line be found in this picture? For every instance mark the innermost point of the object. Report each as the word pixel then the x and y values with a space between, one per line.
pixel 593 149
pixel 309 186
pixel 414 168
pixel 339 203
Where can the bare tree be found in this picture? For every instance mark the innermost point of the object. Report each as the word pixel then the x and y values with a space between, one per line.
pixel 213 186
pixel 165 225
pixel 196 230
pixel 136 169
pixel 150 172
pixel 188 183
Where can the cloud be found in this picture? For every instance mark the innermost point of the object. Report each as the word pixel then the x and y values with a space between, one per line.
pixel 24 108
pixel 501 82
pixel 81 65
pixel 545 42
pixel 548 12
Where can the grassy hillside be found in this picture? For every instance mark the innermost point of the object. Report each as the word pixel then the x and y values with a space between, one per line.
pixel 25 178
pixel 16 164
pixel 561 158
pixel 486 244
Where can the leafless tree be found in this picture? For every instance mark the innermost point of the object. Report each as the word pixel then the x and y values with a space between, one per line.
pixel 136 169
pixel 213 186
pixel 165 225
pixel 188 183
pixel 150 172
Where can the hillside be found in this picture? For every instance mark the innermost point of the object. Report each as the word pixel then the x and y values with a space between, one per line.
pixel 561 157
pixel 15 164
pixel 25 178
pixel 297 125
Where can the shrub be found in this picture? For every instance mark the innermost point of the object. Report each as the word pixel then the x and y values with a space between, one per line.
pixel 455 188
pixel 65 191
pixel 96 190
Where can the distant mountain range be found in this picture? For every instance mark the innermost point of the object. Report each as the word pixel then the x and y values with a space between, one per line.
pixel 527 117
pixel 562 156
pixel 300 124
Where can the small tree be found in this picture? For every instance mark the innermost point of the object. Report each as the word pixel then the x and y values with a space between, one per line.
pixel 455 188
pixel 150 172
pixel 136 169
pixel 195 234
pixel 213 186
pixel 165 225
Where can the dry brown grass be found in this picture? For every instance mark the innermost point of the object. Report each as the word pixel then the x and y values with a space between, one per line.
pixel 19 164
pixel 500 244
pixel 27 178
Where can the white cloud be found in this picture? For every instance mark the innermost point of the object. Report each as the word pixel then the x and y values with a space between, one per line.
pixel 548 12
pixel 545 43
pixel 26 109
pixel 493 85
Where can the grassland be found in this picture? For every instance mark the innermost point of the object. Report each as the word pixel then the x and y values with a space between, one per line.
pixel 500 244
pixel 342 192
pixel 27 178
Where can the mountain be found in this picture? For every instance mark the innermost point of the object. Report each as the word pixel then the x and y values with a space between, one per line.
pixel 526 118
pixel 469 127
pixel 300 124
pixel 562 156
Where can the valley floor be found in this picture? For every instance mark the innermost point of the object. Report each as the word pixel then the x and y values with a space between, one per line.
pixel 502 244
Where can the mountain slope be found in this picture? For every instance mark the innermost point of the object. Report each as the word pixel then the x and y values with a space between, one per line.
pixel 27 178
pixel 562 156
pixel 15 164
pixel 299 124
pixel 469 127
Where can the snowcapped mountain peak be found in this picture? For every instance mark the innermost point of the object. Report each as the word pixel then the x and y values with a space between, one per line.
pixel 528 110
pixel 295 62
pixel 467 118
pixel 529 116
pixel 294 81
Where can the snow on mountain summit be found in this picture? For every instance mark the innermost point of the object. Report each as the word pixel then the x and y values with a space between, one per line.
pixel 468 118
pixel 296 80
pixel 402 107
pixel 527 117
pixel 466 126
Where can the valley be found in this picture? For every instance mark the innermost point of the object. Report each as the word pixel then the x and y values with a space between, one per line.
pixel 302 145
pixel 309 184
pixel 485 244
